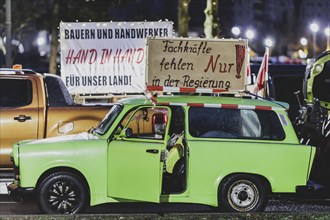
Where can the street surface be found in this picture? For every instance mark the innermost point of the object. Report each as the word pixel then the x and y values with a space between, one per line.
pixel 9 207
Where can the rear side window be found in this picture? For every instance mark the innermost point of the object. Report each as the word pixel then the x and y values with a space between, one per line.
pixel 15 92
pixel 58 95
pixel 235 123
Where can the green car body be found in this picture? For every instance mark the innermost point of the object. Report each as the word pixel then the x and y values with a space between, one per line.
pixel 119 167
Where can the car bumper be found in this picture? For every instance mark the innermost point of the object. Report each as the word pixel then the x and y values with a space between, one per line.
pixel 16 192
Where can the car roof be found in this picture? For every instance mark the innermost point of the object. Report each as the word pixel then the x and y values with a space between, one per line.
pixel 206 101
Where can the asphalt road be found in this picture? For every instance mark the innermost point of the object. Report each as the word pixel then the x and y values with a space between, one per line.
pixel 28 206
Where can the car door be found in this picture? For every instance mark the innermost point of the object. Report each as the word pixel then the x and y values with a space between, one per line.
pixel 18 114
pixel 135 163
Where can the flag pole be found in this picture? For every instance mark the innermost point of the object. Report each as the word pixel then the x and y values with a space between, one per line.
pixel 266 72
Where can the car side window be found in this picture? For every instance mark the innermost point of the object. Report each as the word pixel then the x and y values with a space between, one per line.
pixel 146 123
pixel 15 92
pixel 235 123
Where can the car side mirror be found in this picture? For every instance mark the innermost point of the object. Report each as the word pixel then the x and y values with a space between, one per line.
pixel 126 133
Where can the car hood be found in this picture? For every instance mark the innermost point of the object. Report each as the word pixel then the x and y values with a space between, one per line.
pixel 65 138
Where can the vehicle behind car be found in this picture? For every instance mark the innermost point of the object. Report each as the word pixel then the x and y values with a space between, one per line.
pixel 36 106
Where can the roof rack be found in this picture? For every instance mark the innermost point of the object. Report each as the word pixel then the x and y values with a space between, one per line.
pixel 6 71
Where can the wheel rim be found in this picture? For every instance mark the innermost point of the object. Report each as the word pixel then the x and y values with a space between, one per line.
pixel 243 195
pixel 63 197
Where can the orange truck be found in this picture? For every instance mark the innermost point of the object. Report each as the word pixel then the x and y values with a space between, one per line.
pixel 36 106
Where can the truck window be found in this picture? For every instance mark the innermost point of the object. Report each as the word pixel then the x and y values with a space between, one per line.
pixel 58 94
pixel 235 123
pixel 15 92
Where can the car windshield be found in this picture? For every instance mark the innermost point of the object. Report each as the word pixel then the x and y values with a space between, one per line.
pixel 108 120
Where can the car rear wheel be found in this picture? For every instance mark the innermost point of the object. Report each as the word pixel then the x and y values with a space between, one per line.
pixel 242 193
pixel 62 193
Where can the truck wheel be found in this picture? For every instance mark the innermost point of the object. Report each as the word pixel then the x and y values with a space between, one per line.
pixel 62 193
pixel 242 193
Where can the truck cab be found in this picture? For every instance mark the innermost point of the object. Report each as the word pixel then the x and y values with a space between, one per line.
pixel 36 106
pixel 22 104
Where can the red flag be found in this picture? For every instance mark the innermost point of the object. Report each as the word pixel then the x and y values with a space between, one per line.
pixel 248 69
pixel 262 74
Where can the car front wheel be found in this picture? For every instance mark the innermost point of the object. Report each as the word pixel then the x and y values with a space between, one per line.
pixel 62 193
pixel 242 193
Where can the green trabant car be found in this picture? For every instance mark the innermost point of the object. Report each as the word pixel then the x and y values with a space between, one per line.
pixel 226 152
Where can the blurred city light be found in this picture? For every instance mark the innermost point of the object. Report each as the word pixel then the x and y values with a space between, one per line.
pixel 268 42
pixel 236 31
pixel 41 41
pixel 16 43
pixel 327 33
pixel 314 28
pixel 303 41
pixel 249 34
pixel 302 54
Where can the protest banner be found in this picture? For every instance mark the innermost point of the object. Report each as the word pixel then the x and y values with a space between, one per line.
pixel 189 65
pixel 103 58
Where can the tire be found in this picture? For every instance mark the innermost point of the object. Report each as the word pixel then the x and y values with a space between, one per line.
pixel 62 193
pixel 242 193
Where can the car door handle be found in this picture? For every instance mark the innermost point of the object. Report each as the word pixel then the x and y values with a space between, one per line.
pixel 152 151
pixel 22 118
